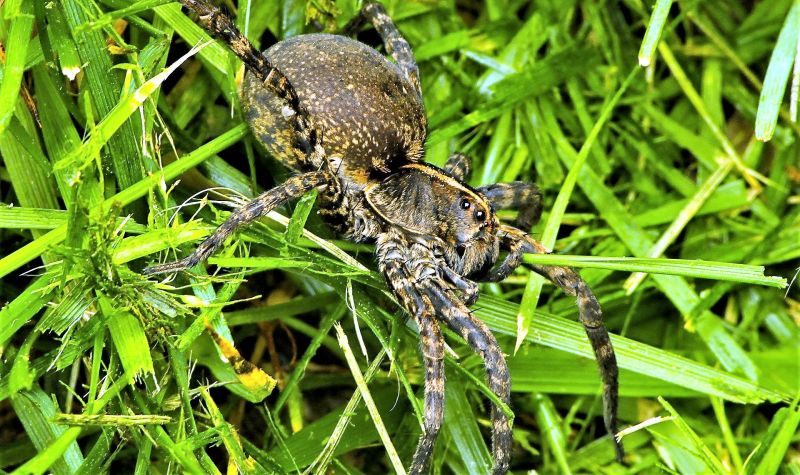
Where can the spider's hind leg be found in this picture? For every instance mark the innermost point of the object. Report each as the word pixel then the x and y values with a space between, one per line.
pixel 222 27
pixel 260 206
pixel 394 42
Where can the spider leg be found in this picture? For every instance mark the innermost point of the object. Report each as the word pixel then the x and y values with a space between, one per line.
pixel 519 195
pixel 458 166
pixel 222 27
pixel 478 336
pixel 467 287
pixel 260 206
pixel 591 317
pixel 394 42
pixel 392 250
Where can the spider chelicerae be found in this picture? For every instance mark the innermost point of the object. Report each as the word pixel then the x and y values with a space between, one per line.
pixel 352 125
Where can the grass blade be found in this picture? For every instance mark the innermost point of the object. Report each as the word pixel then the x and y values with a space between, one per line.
pixel 778 72
pixel 368 401
pixel 653 33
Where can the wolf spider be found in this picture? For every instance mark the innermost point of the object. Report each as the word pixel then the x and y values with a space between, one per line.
pixel 352 125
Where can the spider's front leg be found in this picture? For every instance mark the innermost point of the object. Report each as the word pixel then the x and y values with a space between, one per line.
pixel 519 243
pixel 433 277
pixel 522 196
pixel 393 41
pixel 260 206
pixel 392 254
pixel 480 339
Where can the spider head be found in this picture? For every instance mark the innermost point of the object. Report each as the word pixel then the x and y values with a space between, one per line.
pixel 470 240
pixel 423 201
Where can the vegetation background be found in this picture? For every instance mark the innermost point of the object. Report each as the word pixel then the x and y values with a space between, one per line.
pixel 693 155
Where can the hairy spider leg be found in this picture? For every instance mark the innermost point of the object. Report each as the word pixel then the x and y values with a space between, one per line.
pixel 429 273
pixel 222 27
pixel 518 243
pixel 458 166
pixel 468 288
pixel 260 206
pixel 522 196
pixel 459 319
pixel 394 42
pixel 391 250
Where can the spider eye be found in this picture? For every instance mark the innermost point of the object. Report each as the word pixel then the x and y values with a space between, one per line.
pixel 465 204
pixel 480 215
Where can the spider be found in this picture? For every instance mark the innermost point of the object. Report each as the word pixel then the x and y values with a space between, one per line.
pixel 352 125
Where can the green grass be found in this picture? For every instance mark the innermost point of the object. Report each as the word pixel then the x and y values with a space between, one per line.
pixel 674 186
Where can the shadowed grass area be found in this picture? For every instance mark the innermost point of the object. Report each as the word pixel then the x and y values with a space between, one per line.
pixel 663 137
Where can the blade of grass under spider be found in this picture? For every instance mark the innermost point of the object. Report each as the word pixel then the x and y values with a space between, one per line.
pixel 678 225
pixel 653 33
pixel 104 87
pixel 550 426
pixel 751 176
pixel 300 368
pixel 107 19
pixel 129 338
pixel 112 420
pixel 729 196
pixel 119 115
pixel 701 147
pixel 35 248
pixel 368 401
pixel 27 166
pixel 58 132
pixel 782 431
pixel 60 40
pixel 324 457
pixel 533 288
pixel 559 372
pixel 727 433
pixel 743 273
pixel 27 304
pixel 98 454
pixel 242 463
pixel 778 72
pixel 539 78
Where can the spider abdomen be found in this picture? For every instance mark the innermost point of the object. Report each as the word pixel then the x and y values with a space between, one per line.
pixel 370 117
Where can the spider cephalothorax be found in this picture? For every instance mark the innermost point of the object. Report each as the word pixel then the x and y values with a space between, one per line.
pixel 423 201
pixel 352 125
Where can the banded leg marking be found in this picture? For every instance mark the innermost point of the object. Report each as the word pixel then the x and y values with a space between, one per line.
pixel 590 316
pixel 478 336
pixel 221 27
pixel 392 256
pixel 520 195
pixel 260 206
pixel 394 42
pixel 458 166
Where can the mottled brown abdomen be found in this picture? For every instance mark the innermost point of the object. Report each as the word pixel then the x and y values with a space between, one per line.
pixel 369 115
